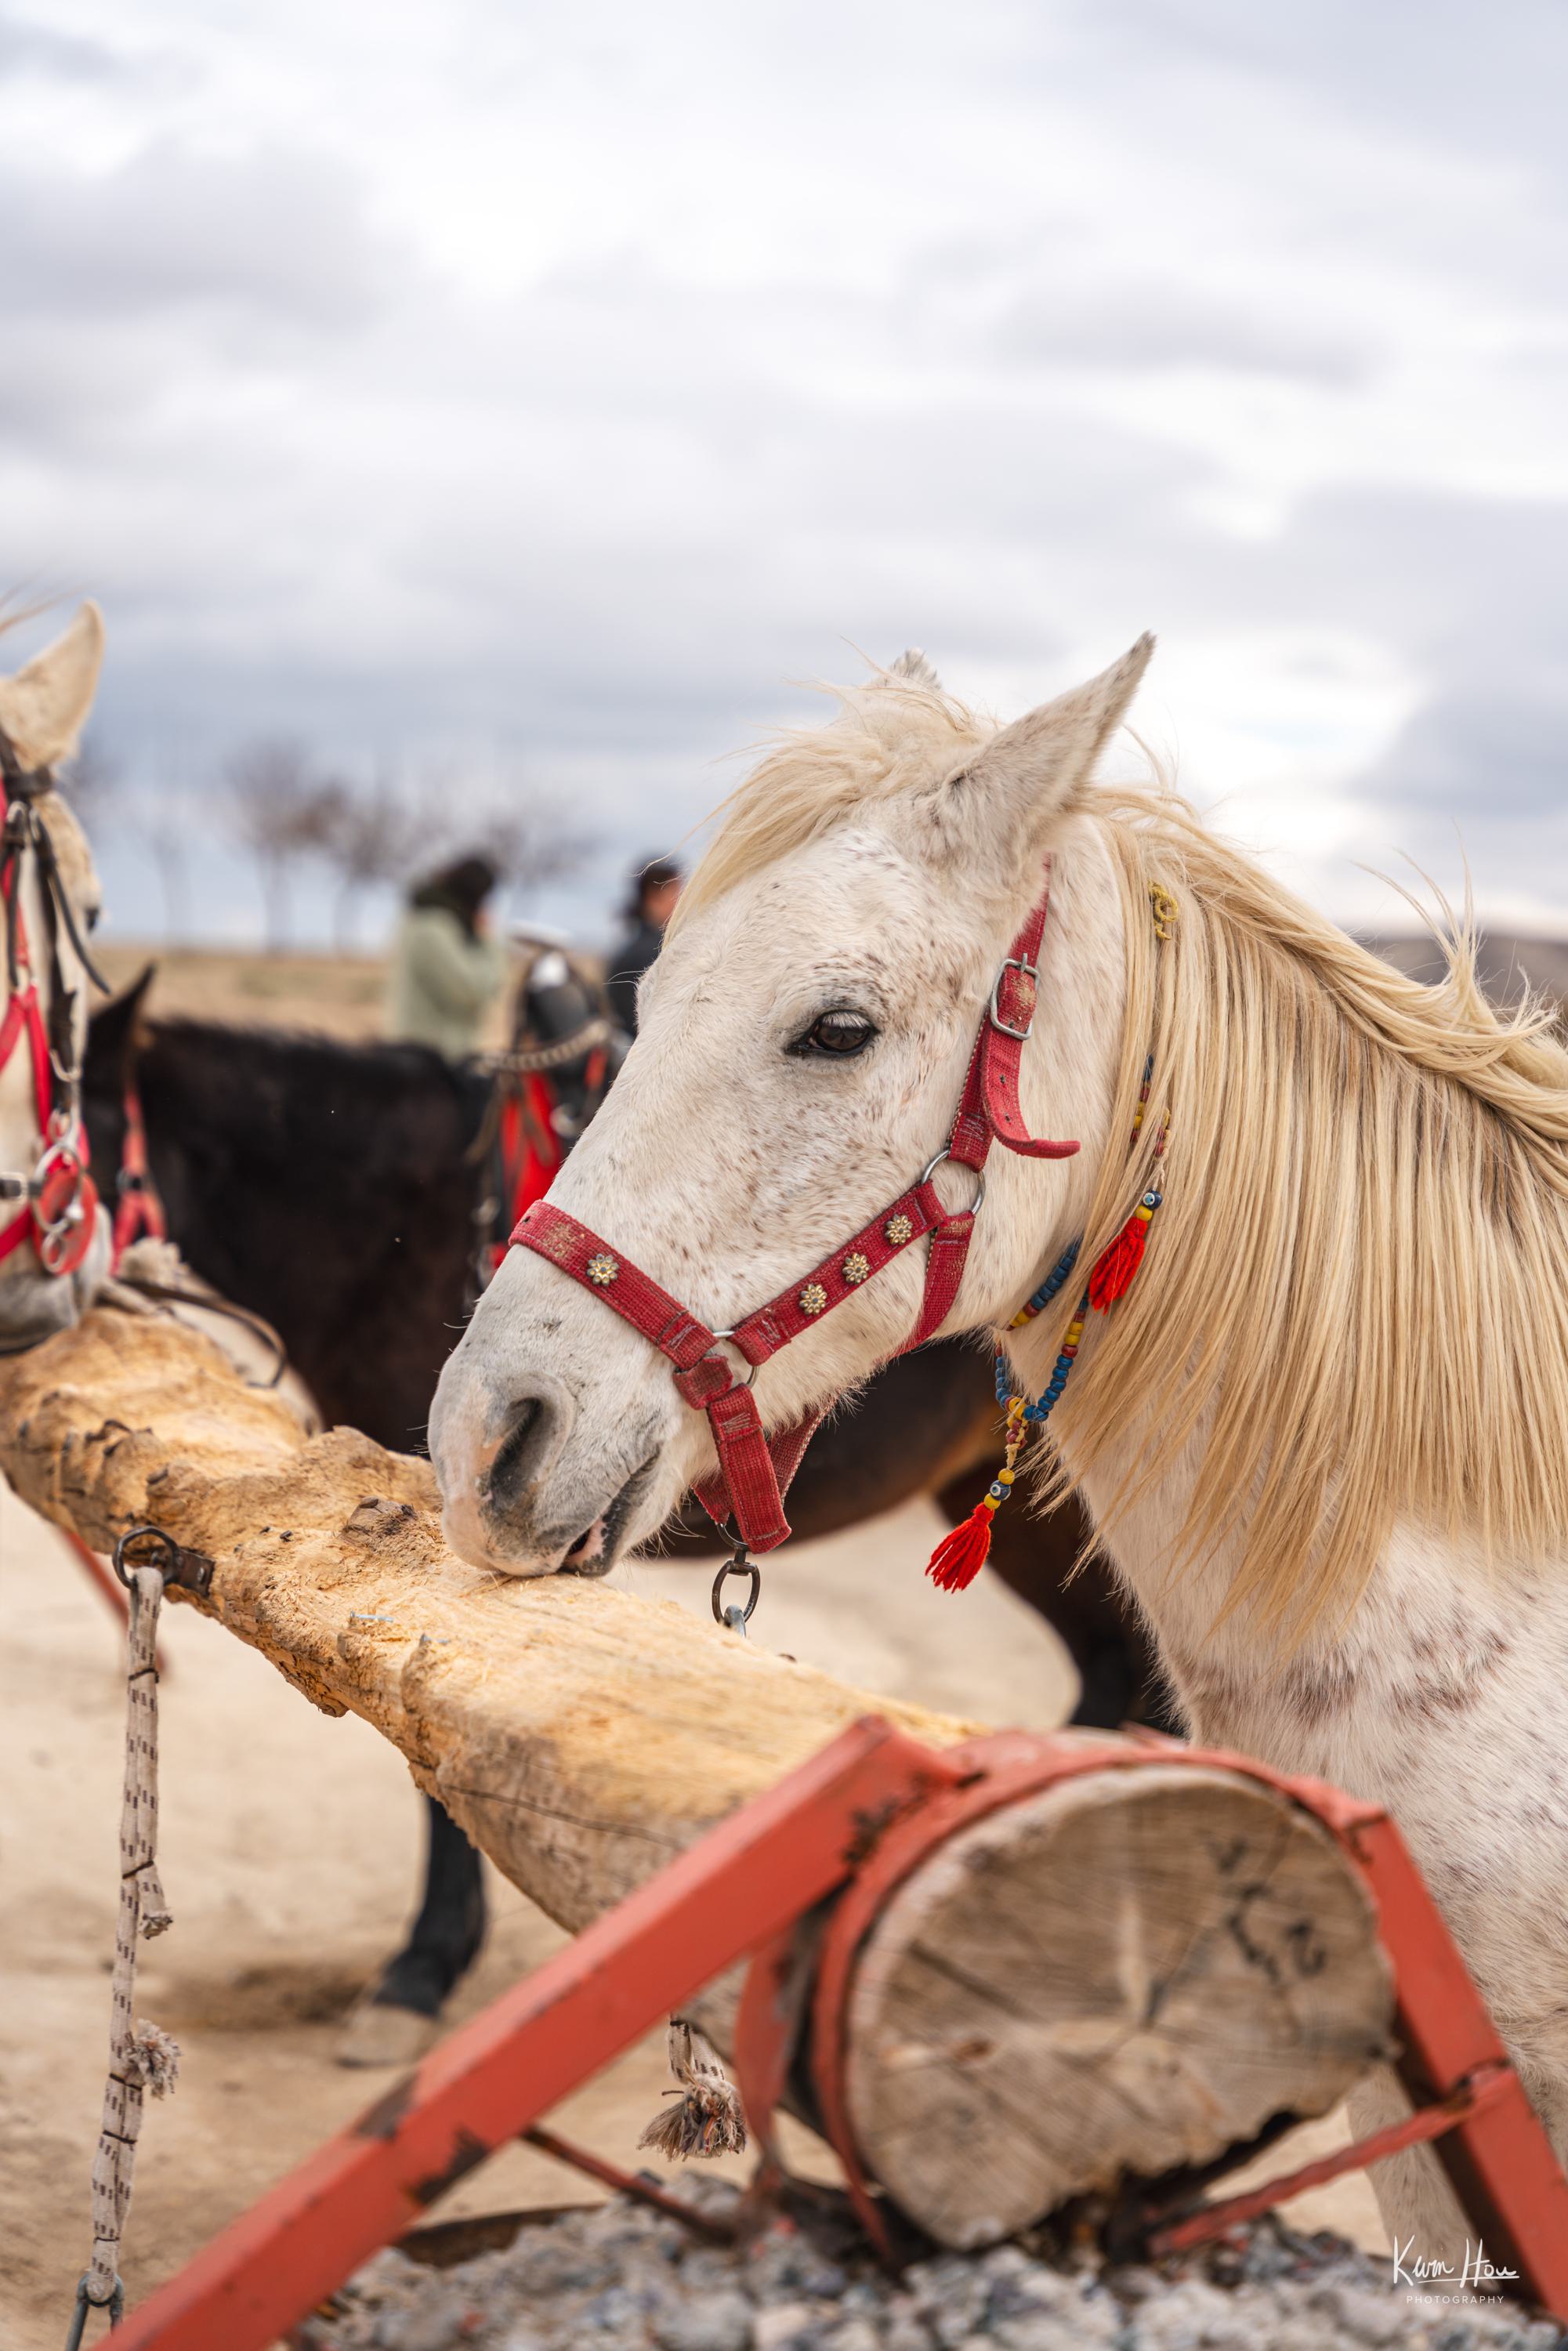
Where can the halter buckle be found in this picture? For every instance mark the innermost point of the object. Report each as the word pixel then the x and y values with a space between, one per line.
pixel 1022 965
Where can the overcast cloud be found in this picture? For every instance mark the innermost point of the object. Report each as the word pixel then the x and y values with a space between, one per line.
pixel 531 394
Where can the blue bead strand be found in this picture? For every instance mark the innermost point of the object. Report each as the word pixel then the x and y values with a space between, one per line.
pixel 1046 1400
pixel 1042 1298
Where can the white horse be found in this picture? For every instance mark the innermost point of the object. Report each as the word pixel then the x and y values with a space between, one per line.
pixel 1322 1433
pixel 54 1234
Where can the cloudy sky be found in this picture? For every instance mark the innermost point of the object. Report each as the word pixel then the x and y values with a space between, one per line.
pixel 526 398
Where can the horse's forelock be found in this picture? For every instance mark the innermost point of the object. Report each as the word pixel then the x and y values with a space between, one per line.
pixel 898 733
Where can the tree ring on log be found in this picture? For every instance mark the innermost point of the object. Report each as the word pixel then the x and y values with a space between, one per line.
pixel 1126 1972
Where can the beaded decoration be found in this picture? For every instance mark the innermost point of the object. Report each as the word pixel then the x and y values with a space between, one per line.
pixel 959 1556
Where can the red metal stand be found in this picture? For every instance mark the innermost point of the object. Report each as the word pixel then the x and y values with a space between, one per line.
pixel 866 1811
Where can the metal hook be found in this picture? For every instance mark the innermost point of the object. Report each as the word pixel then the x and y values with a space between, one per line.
pixel 193 1570
pixel 735 1616
pixel 115 2307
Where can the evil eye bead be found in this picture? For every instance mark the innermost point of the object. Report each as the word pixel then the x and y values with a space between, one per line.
pixel 812 1298
pixel 855 1266
pixel 897 1230
pixel 602 1268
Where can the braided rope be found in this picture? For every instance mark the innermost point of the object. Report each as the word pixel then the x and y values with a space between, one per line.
pixel 141 2056
pixel 526 1061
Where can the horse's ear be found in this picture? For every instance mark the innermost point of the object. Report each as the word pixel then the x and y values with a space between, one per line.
pixel 114 1037
pixel 1013 794
pixel 913 665
pixel 44 707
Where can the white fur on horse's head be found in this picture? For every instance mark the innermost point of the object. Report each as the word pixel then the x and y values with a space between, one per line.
pixel 44 707
pixel 878 867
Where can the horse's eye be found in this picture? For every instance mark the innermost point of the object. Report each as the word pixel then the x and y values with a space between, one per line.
pixel 839 1034
pixel 92 914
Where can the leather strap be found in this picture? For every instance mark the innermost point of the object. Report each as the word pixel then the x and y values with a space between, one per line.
pixel 990 1110
pixel 786 1450
pixel 138 1209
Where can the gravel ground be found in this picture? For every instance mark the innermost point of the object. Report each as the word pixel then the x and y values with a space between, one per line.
pixel 623 2277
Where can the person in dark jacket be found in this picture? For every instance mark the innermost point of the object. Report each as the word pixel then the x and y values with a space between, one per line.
pixel 655 887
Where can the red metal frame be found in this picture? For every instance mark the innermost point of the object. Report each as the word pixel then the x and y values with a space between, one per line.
pixel 867 1810
pixel 495 2075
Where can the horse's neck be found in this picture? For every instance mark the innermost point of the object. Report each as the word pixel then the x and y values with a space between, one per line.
pixel 1429 1614
pixel 1349 1703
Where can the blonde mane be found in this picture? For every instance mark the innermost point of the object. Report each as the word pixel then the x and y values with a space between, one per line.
pixel 1359 1277
pixel 1359 1269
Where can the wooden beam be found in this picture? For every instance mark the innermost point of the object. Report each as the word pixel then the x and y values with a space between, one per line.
pixel 582 1735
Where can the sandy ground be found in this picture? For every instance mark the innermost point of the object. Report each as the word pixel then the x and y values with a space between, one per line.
pixel 288 1846
pixel 342 994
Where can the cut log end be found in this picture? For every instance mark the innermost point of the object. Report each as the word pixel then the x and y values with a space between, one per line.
pixel 1126 1973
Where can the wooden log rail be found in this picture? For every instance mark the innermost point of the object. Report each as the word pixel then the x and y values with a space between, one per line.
pixel 1132 1971
pixel 582 1735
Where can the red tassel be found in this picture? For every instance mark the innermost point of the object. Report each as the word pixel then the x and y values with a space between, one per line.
pixel 1113 1276
pixel 959 1557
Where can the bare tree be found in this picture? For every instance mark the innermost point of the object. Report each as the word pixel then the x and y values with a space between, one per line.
pixel 375 837
pixel 164 829
pixel 529 844
pixel 283 811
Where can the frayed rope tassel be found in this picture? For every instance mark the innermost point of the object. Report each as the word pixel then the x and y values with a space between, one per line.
pixel 959 1557
pixel 1113 1273
pixel 707 2118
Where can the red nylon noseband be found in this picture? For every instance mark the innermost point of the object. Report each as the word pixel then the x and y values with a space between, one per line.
pixel 754 1469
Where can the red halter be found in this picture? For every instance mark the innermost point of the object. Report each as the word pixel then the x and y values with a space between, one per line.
pixel 138 1212
pixel 755 1470
pixel 60 1214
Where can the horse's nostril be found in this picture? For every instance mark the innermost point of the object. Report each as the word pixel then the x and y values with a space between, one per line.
pixel 516 1459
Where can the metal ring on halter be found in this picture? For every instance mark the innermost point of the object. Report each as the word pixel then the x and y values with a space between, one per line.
pixel 54 1235
pixel 947 1153
pixel 738 1565
pixel 751 1368
pixel 138 1535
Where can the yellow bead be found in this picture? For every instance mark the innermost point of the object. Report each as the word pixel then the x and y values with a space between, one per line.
pixel 1006 1477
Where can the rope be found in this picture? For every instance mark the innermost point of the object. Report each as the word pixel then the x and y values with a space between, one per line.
pixel 525 1060
pixel 141 2056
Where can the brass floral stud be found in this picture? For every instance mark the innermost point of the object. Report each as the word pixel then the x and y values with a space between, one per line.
pixel 602 1268
pixel 812 1298
pixel 856 1266
pixel 897 1230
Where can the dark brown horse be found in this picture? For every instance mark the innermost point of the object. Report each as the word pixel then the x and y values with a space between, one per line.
pixel 333 1188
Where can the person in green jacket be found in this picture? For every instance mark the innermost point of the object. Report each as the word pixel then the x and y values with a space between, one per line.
pixel 446 970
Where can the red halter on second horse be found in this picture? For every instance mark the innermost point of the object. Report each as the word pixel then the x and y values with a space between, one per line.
pixel 59 1211
pixel 754 1469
